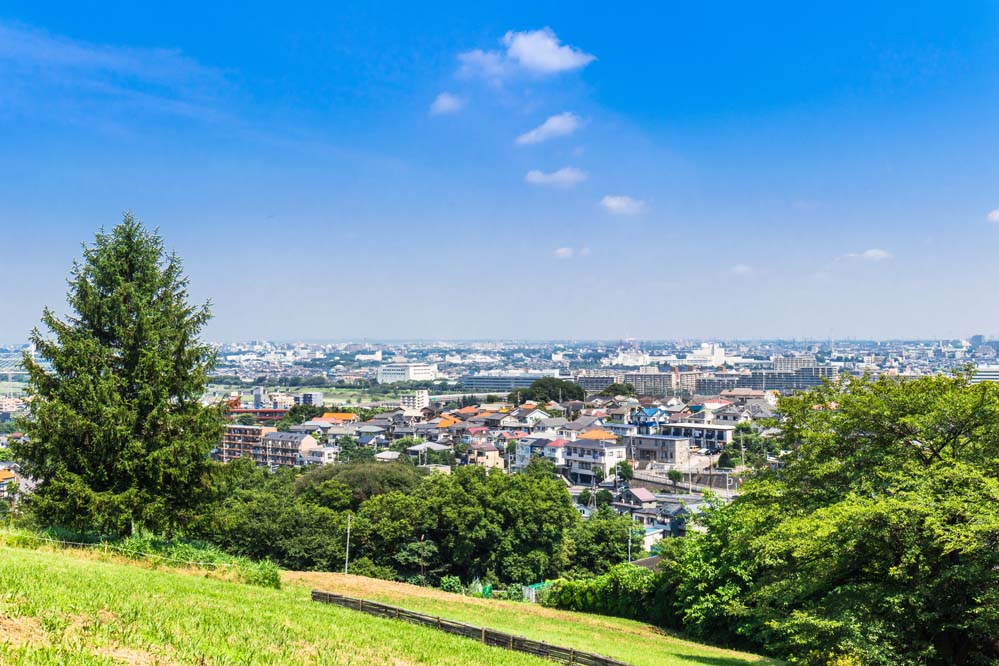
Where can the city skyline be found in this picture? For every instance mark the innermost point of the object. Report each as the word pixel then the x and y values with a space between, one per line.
pixel 515 172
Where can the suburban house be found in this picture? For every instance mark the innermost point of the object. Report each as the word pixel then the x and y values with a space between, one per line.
pixel 485 455
pixel 592 451
pixel 644 450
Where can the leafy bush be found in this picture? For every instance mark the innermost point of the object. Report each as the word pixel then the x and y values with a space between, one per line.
pixel 451 584
pixel 625 591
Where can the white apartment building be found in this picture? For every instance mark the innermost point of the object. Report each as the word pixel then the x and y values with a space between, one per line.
pixel 390 373
pixel 417 400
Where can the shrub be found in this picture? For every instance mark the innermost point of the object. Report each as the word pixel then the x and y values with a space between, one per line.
pixel 451 584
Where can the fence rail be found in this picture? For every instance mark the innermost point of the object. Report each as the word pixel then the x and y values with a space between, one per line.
pixel 482 634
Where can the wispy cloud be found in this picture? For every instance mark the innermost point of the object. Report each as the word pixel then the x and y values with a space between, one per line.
pixel 535 52
pixel 561 124
pixel 993 215
pixel 570 252
pixel 622 205
pixel 446 103
pixel 743 270
pixel 874 254
pixel 163 80
pixel 565 177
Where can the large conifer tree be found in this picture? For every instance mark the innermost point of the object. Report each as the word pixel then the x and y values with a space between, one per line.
pixel 117 434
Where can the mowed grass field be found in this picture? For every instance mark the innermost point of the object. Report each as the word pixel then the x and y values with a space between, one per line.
pixel 57 608
pixel 634 642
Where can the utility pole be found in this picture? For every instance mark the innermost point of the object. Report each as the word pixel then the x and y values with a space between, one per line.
pixel 346 559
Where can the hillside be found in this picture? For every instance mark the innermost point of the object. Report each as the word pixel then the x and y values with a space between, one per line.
pixel 69 608
pixel 56 608
pixel 637 643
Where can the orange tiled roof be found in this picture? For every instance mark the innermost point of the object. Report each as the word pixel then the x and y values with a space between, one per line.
pixel 598 434
pixel 340 416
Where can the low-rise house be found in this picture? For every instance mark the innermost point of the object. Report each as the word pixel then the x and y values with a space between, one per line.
pixel 555 451
pixel 8 481
pixel 323 455
pixel 485 455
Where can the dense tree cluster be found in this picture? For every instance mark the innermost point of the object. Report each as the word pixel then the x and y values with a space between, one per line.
pixel 471 524
pixel 547 389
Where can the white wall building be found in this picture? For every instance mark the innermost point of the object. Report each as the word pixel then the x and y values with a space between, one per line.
pixel 389 373
pixel 417 400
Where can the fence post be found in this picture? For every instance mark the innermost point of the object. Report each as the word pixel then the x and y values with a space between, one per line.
pixel 572 656
pixel 483 634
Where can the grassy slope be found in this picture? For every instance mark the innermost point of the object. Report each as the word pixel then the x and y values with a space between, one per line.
pixel 56 608
pixel 634 642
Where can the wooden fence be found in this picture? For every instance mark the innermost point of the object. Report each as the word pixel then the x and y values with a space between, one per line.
pixel 482 634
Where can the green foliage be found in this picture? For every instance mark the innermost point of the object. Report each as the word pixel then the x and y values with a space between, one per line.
pixel 624 591
pixel 624 470
pixel 246 420
pixel 875 544
pixel 451 584
pixel 604 498
pixel 546 389
pixel 615 390
pixel 601 541
pixel 299 414
pixel 117 434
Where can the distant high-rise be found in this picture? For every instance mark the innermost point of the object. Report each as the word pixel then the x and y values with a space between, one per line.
pixel 793 363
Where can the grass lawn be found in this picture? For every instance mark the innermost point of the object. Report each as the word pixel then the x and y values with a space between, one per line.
pixel 58 608
pixel 634 642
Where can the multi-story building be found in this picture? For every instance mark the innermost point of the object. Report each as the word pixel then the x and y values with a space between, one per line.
pixel 311 398
pixel 501 383
pixel 390 373
pixel 241 441
pixel 645 450
pixel 651 382
pixel 265 446
pixel 593 450
pixel 793 363
pixel 701 435
pixel 594 383
pixel 285 448
pixel 416 400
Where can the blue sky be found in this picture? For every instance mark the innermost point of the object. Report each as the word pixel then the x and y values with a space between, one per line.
pixel 481 170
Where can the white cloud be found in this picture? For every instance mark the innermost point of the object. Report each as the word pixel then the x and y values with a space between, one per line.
pixel 540 51
pixel 993 215
pixel 622 205
pixel 561 124
pixel 446 103
pixel 565 177
pixel 484 64
pixel 742 269
pixel 874 254
pixel 536 52
pixel 570 252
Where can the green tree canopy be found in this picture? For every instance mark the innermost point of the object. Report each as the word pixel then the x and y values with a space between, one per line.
pixel 619 389
pixel 546 389
pixel 117 434
pixel 875 544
